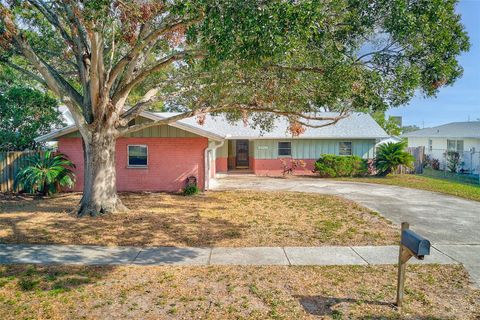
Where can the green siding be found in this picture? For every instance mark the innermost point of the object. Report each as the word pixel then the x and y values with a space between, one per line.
pixel 164 131
pixel 311 148
pixel 222 152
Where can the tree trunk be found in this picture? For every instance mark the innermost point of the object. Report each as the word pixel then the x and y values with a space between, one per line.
pixel 100 189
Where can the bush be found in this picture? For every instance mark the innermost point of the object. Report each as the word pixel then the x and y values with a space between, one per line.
pixel 392 155
pixel 331 166
pixel 191 189
pixel 46 174
pixel 431 162
pixel 453 161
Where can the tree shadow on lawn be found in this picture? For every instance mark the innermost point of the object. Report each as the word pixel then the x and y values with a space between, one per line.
pixel 323 306
pixel 151 221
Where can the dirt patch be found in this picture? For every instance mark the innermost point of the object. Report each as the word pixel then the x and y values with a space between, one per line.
pixel 360 292
pixel 213 219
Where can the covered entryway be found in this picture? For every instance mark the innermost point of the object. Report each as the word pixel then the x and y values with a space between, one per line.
pixel 239 155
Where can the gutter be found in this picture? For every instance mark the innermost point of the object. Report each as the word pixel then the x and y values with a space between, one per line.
pixel 207 163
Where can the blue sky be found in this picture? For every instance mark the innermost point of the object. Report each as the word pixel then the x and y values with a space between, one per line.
pixel 460 101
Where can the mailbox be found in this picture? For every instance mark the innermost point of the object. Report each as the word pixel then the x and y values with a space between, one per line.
pixel 418 245
pixel 411 245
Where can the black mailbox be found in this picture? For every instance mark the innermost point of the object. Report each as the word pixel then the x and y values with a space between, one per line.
pixel 417 244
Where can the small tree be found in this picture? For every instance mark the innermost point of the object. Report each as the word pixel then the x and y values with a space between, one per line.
pixel 453 161
pixel 46 174
pixel 392 155
pixel 25 114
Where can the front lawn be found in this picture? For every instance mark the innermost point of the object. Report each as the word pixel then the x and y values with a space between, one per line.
pixel 466 191
pixel 213 219
pixel 236 292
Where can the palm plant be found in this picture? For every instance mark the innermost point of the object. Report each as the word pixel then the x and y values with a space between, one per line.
pixel 392 155
pixel 46 173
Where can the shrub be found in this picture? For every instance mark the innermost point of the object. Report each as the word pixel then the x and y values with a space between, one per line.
pixel 331 166
pixel 191 189
pixel 45 174
pixel 289 166
pixel 392 155
pixel 431 163
pixel 453 161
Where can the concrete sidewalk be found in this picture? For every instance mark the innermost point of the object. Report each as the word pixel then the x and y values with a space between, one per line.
pixel 295 256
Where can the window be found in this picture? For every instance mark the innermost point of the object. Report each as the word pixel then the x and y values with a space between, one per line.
pixel 284 148
pixel 460 146
pixel 451 145
pixel 345 148
pixel 455 145
pixel 430 145
pixel 137 156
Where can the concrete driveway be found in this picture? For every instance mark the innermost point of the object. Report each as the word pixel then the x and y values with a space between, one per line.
pixel 452 224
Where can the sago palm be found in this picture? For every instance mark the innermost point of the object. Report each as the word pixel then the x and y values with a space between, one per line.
pixel 46 173
pixel 392 155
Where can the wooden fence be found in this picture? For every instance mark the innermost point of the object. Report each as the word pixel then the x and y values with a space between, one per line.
pixel 10 163
pixel 419 155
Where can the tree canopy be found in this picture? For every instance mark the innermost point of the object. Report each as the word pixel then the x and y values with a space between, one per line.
pixel 285 57
pixel 25 113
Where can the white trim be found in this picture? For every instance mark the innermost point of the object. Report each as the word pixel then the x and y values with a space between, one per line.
pixel 56 133
pixel 72 128
pixel 128 156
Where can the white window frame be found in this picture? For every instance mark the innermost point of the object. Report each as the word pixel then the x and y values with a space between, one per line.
pixel 128 156
pixel 430 145
pixel 351 148
pixel 455 142
pixel 278 149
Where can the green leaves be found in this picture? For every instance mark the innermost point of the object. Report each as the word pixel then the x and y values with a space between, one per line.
pixel 390 156
pixel 46 174
pixel 25 114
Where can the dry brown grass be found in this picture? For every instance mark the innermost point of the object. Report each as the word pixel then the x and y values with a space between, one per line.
pixel 214 219
pixel 360 292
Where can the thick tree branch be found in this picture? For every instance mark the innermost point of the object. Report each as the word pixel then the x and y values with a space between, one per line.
pixel 123 92
pixel 26 72
pixel 53 19
pixel 131 58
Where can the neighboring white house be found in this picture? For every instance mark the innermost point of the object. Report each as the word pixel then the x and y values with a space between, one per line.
pixel 463 137
pixel 392 139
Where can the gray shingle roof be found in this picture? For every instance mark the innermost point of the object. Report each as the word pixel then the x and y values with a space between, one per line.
pixel 357 125
pixel 449 130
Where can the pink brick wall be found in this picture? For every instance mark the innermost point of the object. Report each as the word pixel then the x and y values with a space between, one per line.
pixel 221 165
pixel 170 162
pixel 273 167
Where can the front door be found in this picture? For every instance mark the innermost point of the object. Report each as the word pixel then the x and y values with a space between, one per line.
pixel 242 154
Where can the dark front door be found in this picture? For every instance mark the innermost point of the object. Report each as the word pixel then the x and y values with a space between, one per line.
pixel 242 154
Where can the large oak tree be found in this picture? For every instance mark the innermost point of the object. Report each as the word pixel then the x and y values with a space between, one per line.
pixel 107 61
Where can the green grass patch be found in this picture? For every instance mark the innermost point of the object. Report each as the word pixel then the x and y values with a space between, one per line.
pixel 467 191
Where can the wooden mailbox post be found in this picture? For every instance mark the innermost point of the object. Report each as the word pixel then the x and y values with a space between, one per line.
pixel 411 245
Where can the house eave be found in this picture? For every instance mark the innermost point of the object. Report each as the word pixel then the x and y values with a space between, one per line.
pixel 72 128
pixel 304 138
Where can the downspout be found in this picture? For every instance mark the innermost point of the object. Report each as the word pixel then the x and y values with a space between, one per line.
pixel 207 162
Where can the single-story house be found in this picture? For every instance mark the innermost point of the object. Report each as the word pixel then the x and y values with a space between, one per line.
pixel 462 137
pixel 161 158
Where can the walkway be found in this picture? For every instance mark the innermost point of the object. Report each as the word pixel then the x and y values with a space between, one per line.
pixel 102 255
